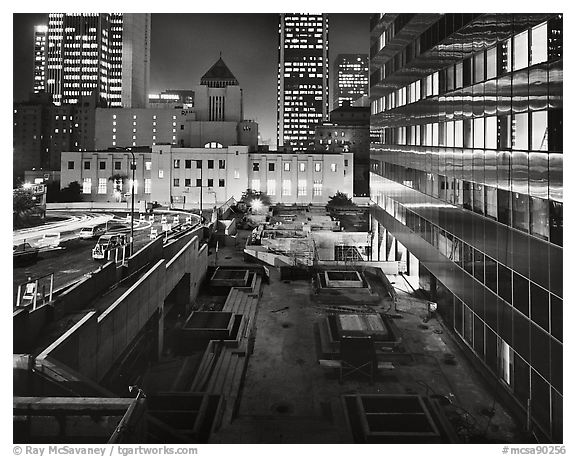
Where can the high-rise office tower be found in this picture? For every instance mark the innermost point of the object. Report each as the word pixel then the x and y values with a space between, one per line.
pixel 302 78
pixel 350 78
pixel 106 53
pixel 467 181
pixel 40 33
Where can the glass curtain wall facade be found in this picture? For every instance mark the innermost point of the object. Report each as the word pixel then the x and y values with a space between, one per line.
pixel 466 177
pixel 302 78
pixel 350 78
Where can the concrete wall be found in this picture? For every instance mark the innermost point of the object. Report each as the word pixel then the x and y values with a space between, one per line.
pixel 149 254
pixel 78 347
pixel 86 290
pixel 27 325
pixel 122 206
pixel 123 320
pixel 173 247
pixel 95 343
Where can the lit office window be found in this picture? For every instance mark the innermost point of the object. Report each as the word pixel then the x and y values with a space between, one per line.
pixel 286 166
pixel 256 185
pixel 317 189
pixel 147 185
pixel 333 167
pixel 318 166
pixel 102 185
pixel 176 163
pixel 148 165
pixel 302 166
pixel 287 187
pixel 87 185
pixel 302 187
pixel 271 187
pixel 236 173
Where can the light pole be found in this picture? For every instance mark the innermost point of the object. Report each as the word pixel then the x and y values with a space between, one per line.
pixel 133 166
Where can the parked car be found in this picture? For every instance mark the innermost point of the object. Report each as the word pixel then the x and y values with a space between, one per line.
pixel 106 243
pixel 24 253
pixel 49 241
pixel 88 233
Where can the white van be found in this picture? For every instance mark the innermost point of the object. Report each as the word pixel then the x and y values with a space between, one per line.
pixel 87 233
pixel 107 243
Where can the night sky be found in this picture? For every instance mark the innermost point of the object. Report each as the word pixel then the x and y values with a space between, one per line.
pixel 185 46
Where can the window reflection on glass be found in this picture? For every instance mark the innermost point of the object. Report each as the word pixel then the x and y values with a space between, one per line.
pixel 520 211
pixel 459 72
pixel 458 134
pixel 479 67
pixel 540 131
pixel 491 132
pixel 520 131
pixel 539 220
pixel 520 50
pixel 467 133
pixel 479 132
pixel 539 44
pixel 491 62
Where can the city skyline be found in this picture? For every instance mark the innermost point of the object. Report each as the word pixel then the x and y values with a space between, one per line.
pixel 239 37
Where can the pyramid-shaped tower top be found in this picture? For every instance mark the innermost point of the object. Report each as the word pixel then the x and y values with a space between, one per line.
pixel 219 76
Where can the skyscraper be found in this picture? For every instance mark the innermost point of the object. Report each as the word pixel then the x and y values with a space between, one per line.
pixel 302 78
pixel 106 53
pixel 40 33
pixel 350 78
pixel 467 181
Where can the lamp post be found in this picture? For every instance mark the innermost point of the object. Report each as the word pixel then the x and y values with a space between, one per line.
pixel 133 166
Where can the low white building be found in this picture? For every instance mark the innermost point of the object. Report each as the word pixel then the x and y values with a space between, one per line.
pixel 190 177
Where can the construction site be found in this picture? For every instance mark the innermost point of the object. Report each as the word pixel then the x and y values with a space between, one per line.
pixel 285 331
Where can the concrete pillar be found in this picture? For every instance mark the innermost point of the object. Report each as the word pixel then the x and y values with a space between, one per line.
pixel 401 256
pixel 413 265
pixel 374 251
pixel 433 288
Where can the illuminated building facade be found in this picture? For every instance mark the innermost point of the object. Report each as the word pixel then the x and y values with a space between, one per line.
pixel 302 78
pixel 350 78
pixel 172 98
pixel 40 34
pixel 467 181
pixel 104 53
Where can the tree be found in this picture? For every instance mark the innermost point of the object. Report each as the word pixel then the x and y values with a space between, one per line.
pixel 340 200
pixel 71 193
pixel 22 201
pixel 251 195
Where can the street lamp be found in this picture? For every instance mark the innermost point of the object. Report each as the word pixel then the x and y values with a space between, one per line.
pixel 133 166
